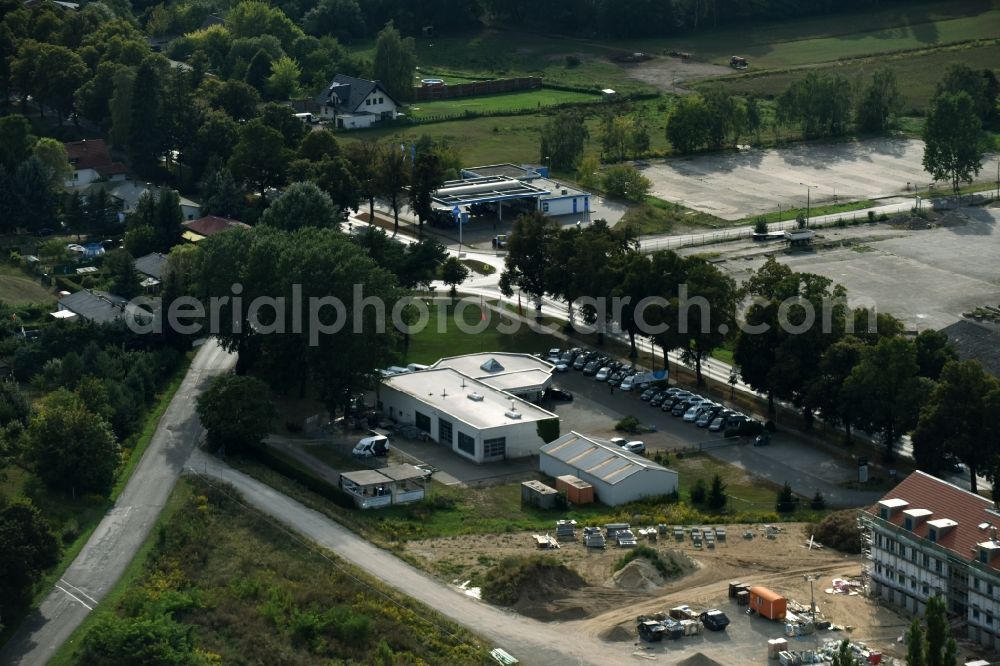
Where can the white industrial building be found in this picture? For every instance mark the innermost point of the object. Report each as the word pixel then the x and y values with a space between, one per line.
pixel 523 375
pixel 470 417
pixel 618 476
pixel 557 197
pixel 927 537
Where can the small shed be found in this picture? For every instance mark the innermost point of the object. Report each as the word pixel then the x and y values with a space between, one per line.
pixel 408 482
pixel 577 490
pixel 768 604
pixel 536 493
pixel 370 489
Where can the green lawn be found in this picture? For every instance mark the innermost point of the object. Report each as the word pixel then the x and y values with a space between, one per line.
pixel 492 104
pixel 240 585
pixel 890 27
pixel 18 288
pixel 916 73
pixel 448 339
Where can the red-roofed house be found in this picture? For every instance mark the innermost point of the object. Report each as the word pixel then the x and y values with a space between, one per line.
pixel 209 225
pixel 91 162
pixel 927 537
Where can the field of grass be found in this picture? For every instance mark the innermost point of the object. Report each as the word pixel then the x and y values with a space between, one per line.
pixel 242 588
pixel 891 27
pixel 17 288
pixel 504 103
pixel 917 73
pixel 436 342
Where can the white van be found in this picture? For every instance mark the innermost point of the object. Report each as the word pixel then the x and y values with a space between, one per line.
pixel 369 447
pixel 306 118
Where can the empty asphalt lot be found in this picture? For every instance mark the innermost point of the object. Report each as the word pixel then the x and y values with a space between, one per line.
pixel 735 185
pixel 925 278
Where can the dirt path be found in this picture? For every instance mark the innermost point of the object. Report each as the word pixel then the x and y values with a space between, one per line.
pixel 670 74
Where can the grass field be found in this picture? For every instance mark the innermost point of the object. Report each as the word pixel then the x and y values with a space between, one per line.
pixel 505 103
pixel 436 342
pixel 16 288
pixel 916 73
pixel 246 591
pixel 891 27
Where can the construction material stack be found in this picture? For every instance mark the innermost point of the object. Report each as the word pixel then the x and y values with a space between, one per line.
pixel 593 537
pixel 566 530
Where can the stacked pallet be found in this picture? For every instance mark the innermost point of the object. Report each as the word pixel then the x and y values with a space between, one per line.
pixel 566 530
pixel 593 537
pixel 626 539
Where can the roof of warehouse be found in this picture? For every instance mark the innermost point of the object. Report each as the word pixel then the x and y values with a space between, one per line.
pixel 503 371
pixel 485 189
pixel 449 391
pixel 366 477
pixel 600 459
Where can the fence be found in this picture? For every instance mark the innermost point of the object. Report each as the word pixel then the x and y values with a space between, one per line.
pixel 490 87
pixel 821 222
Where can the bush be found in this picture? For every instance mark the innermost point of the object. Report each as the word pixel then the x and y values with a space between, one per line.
pixel 871 216
pixel 841 222
pixel 666 567
pixel 840 531
pixel 717 494
pixel 800 220
pixel 817 503
pixel 629 424
pixel 786 500
pixel 699 492
pixel 760 225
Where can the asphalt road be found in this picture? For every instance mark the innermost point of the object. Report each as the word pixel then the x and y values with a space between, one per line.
pixel 531 641
pixel 118 537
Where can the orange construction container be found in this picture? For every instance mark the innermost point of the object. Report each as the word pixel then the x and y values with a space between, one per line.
pixel 767 603
pixel 577 490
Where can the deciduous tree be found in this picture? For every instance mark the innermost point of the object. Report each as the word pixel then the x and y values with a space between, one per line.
pixel 394 62
pixel 453 273
pixel 237 412
pixel 563 139
pixel 952 144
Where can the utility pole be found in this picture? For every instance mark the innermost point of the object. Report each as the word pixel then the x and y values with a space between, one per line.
pixel 812 595
pixel 809 189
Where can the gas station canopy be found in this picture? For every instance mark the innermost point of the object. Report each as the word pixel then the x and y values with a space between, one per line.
pixel 484 190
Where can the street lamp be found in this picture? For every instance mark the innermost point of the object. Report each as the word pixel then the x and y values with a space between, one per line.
pixel 809 189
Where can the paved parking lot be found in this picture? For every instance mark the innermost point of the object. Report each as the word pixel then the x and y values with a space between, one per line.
pixel 742 184
pixel 927 278
pixel 789 458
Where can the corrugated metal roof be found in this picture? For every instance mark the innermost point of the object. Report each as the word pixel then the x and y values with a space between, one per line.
pixel 600 459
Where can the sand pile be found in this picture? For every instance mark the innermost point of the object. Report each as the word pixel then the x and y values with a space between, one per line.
pixel 639 575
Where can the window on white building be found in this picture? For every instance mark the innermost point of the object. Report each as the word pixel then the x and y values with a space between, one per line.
pixel 466 443
pixel 494 448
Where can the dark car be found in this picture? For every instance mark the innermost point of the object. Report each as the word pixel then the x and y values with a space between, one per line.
pixel 658 399
pixel 580 361
pixel 647 395
pixel 558 395
pixel 591 368
pixel 714 620
pixel 672 401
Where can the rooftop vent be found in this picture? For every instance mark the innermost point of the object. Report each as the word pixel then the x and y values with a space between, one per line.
pixel 513 414
pixel 476 397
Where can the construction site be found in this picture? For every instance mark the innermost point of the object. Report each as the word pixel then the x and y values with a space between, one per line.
pixel 803 597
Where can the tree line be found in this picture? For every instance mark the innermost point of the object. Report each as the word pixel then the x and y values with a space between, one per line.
pixel 793 336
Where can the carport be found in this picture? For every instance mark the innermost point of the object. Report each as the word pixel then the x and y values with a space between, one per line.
pixel 483 191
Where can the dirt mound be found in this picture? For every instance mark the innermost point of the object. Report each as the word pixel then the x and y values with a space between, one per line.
pixel 698 659
pixel 639 575
pixel 617 634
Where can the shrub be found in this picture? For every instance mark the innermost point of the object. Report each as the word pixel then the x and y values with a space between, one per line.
pixel 699 492
pixel 884 217
pixel 800 220
pixel 841 222
pixel 786 500
pixel 717 494
pixel 665 566
pixel 871 216
pixel 629 424
pixel 839 530
pixel 760 225
pixel 817 503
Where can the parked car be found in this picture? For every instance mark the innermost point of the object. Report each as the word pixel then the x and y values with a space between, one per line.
pixel 691 415
pixel 377 445
pixel 618 441
pixel 647 395
pixel 555 354
pixel 635 447
pixel 658 399
pixel 717 424
pixel 705 417
pixel 590 369
pixel 559 395
pixel 714 620
pixel 627 383
pixel 603 374
pixel 580 361
pixel 562 366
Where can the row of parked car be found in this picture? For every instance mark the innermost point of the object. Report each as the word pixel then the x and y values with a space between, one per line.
pixel 694 408
pixel 594 364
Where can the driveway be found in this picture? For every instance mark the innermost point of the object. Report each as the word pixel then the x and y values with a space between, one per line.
pixel 119 535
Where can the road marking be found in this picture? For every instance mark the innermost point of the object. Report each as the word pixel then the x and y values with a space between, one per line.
pixel 87 596
pixel 73 596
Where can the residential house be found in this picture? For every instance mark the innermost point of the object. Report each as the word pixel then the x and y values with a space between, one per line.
pixel 352 103
pixel 98 307
pixel 209 225
pixel 150 267
pixel 91 162
pixel 128 192
pixel 927 537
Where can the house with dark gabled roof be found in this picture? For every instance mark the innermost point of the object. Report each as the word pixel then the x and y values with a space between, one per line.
pixel 928 537
pixel 352 103
pixel 91 161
